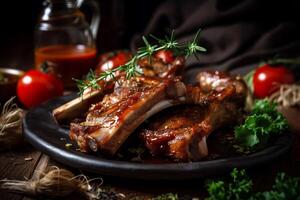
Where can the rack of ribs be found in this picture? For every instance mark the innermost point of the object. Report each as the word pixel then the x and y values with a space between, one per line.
pixel 155 67
pixel 110 122
pixel 150 68
pixel 180 136
pixel 180 133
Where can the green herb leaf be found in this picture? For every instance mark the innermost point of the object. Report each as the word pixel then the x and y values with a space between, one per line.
pixel 263 122
pixel 168 42
pixel 238 188
pixel 131 68
pixel 217 190
pixel 241 185
pixel 264 106
pixel 285 188
pixel 288 186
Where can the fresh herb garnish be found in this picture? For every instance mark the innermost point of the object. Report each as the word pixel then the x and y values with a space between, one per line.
pixel 285 188
pixel 263 122
pixel 131 68
pixel 240 187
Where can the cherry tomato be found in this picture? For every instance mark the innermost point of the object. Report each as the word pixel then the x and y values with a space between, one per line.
pixel 267 79
pixel 112 60
pixel 165 55
pixel 36 87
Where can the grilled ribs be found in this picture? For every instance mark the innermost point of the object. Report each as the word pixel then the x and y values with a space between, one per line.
pixel 181 133
pixel 150 68
pixel 157 68
pixel 111 121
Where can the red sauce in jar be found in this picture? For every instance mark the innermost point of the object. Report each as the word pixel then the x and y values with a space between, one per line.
pixel 67 61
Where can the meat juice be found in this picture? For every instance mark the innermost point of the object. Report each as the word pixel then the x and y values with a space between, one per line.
pixel 67 61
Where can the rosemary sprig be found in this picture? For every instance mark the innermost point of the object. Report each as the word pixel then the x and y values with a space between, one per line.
pixel 168 42
pixel 131 68
pixel 90 82
pixel 192 47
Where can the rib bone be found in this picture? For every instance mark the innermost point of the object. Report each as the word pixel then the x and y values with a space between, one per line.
pixel 180 133
pixel 155 68
pixel 110 122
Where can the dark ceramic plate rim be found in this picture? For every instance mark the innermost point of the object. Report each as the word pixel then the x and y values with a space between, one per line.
pixel 40 128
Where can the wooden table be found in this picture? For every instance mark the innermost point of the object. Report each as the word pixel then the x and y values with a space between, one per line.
pixel 26 162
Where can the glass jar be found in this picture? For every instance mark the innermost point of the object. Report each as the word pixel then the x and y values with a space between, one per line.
pixel 64 41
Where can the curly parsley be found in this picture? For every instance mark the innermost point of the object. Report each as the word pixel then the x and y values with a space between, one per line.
pixel 263 122
pixel 240 187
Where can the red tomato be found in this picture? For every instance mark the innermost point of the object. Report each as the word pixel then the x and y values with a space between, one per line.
pixel 165 55
pixel 267 79
pixel 112 60
pixel 121 58
pixel 36 87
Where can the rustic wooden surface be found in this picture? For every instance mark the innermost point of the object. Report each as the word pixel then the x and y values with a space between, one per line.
pixel 14 166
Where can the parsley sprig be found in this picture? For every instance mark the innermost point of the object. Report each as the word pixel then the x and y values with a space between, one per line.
pixel 240 188
pixel 131 68
pixel 263 122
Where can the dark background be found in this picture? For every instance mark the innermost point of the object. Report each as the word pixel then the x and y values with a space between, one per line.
pixel 235 32
pixel 119 21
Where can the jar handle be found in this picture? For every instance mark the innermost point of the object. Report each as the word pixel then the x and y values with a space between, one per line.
pixel 95 22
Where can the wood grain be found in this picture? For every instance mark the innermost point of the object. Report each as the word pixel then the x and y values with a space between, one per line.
pixel 13 166
pixel 39 170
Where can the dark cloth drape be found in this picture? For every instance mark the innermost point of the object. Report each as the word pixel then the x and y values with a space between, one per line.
pixel 235 32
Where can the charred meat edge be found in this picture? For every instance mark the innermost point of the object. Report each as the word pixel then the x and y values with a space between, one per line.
pixel 222 95
pixel 164 94
pixel 77 106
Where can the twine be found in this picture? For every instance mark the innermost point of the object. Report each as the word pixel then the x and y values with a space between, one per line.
pixel 287 95
pixel 57 183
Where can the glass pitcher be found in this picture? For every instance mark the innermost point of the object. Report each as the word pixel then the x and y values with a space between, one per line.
pixel 64 41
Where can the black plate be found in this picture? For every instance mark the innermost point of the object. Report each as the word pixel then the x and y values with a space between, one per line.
pixel 43 132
